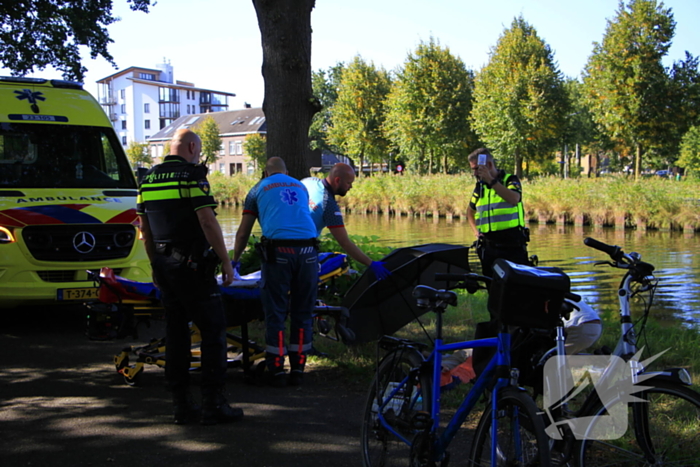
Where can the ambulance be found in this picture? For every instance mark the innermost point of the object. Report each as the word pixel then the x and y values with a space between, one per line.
pixel 67 196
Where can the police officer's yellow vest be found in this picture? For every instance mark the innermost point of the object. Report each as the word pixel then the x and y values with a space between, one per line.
pixel 494 214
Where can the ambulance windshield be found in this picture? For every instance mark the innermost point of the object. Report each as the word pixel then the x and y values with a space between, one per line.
pixel 39 155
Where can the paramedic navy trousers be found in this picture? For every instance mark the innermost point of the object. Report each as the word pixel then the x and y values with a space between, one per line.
pixel 289 285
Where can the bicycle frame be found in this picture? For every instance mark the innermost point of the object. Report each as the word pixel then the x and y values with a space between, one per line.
pixel 500 360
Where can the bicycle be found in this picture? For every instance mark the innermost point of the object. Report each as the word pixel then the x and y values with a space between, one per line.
pixel 401 421
pixel 661 422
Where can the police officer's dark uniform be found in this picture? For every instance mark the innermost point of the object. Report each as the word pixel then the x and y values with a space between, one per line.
pixel 184 270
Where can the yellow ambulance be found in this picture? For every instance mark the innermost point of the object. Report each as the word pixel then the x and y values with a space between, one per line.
pixel 67 195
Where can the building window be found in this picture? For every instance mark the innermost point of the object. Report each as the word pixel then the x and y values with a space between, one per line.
pixel 123 108
pixel 148 76
pixel 239 147
pixel 222 152
pixel 146 108
pixel 231 147
pixel 123 124
pixel 123 140
pixel 122 93
pixel 169 95
pixel 147 124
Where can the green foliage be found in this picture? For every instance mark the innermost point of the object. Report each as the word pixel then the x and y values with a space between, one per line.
pixel 208 131
pixel 690 150
pixel 520 102
pixel 45 33
pixel 255 147
pixel 138 154
pixel 359 112
pixel 429 107
pixel 325 87
pixel 626 83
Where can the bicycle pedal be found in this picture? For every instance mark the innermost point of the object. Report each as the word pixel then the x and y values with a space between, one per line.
pixel 421 420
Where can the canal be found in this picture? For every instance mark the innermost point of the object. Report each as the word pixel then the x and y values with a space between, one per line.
pixel 676 255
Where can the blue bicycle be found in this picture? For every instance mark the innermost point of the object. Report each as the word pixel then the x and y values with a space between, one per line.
pixel 401 423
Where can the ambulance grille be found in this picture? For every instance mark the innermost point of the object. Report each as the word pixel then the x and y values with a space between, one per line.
pixel 72 243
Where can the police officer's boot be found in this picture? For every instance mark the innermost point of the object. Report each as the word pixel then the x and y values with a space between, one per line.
pixel 215 408
pixel 276 376
pixel 185 409
pixel 297 361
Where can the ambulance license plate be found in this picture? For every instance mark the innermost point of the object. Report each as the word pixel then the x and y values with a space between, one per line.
pixel 88 293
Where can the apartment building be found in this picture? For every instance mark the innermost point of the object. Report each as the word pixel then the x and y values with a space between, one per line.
pixel 234 126
pixel 142 101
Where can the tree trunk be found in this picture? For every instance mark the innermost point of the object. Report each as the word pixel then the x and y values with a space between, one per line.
pixel 285 30
pixel 518 165
pixel 638 162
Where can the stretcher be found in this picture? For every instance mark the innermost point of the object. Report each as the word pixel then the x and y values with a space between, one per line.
pixel 124 304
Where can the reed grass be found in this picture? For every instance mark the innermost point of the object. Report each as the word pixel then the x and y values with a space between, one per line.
pixel 653 203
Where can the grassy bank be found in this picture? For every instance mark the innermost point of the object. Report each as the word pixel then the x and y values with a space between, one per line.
pixel 358 361
pixel 652 203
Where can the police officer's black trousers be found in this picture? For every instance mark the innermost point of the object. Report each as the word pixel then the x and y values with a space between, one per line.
pixel 188 296
pixel 490 253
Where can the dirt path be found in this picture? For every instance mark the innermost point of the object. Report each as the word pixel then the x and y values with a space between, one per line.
pixel 62 404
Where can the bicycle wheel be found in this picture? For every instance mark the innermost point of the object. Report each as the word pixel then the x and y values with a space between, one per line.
pixel 381 447
pixel 665 430
pixel 521 439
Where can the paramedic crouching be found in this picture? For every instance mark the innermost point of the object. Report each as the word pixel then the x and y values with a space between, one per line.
pixel 496 213
pixel 184 243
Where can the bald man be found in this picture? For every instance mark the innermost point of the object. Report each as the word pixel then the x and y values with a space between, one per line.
pixel 326 212
pixel 184 243
pixel 289 284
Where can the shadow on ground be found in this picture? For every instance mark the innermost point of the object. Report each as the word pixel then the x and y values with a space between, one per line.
pixel 63 404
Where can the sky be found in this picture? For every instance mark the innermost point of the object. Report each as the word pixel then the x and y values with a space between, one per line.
pixel 215 44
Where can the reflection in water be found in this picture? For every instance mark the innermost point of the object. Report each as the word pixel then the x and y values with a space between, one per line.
pixel 676 255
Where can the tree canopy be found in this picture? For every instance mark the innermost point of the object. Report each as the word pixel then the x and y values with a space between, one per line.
pixel 41 33
pixel 208 131
pixel 138 155
pixel 255 147
pixel 626 83
pixel 519 99
pixel 429 107
pixel 359 112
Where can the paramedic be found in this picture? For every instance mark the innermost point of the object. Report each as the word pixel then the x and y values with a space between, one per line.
pixel 289 281
pixel 184 243
pixel 496 214
pixel 326 213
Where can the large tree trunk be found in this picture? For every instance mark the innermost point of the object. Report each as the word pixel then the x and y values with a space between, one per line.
pixel 289 105
pixel 638 162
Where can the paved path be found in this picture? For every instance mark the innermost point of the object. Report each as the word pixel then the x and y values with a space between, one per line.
pixel 62 404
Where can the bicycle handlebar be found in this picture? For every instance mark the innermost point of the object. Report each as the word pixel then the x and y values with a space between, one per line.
pixel 613 251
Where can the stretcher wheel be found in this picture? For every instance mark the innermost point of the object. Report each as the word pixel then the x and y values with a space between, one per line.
pixel 134 380
pixel 121 360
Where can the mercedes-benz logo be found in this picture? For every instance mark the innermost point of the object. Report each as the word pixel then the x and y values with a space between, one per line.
pixel 84 242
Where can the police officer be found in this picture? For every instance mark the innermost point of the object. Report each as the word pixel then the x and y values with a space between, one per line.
pixel 325 212
pixel 496 213
pixel 184 243
pixel 289 251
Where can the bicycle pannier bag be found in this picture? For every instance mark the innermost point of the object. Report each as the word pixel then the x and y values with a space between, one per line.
pixel 527 296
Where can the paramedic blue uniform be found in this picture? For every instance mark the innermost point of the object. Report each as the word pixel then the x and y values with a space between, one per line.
pixel 325 211
pixel 289 269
